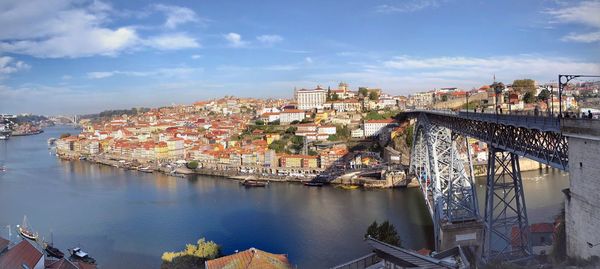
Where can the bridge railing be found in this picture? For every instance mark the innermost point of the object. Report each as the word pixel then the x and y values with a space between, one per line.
pixel 541 121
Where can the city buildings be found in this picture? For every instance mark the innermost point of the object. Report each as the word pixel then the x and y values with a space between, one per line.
pixel 311 99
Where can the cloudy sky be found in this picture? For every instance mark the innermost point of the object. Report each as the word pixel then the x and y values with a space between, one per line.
pixel 82 56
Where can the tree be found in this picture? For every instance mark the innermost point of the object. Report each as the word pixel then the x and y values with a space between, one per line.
pixel 385 232
pixel 524 85
pixel 192 165
pixel 259 122
pixel 65 135
pixel 193 256
pixel 374 115
pixel 528 98
pixel 444 98
pixel 291 130
pixel 334 97
pixel 544 95
pixel 364 92
pixel 278 146
pixel 373 95
pixel 409 135
pixel 295 122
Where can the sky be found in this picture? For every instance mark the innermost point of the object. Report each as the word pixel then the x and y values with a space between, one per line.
pixel 83 56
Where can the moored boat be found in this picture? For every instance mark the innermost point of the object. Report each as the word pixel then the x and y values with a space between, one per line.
pixel 53 252
pixel 253 183
pixel 25 230
pixel 145 169
pixel 313 184
pixel 349 187
pixel 79 255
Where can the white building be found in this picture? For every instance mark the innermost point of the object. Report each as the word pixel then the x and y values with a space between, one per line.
pixel 290 115
pixel 375 127
pixel 421 100
pixel 310 99
pixel 327 129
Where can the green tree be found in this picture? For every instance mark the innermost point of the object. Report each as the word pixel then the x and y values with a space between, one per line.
pixel 291 130
pixel 409 135
pixel 278 146
pixel 444 98
pixel 544 95
pixel 385 232
pixel 192 165
pixel 528 98
pixel 373 95
pixel 193 256
pixel 364 92
pixel 374 115
pixel 65 135
pixel 332 138
pixel 259 122
pixel 524 85
pixel 295 122
pixel 334 97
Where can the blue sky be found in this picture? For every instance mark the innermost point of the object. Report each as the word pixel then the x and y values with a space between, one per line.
pixel 83 56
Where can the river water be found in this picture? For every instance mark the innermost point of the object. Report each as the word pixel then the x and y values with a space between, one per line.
pixel 126 219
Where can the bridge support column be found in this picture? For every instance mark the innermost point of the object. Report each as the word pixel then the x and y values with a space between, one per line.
pixel 506 234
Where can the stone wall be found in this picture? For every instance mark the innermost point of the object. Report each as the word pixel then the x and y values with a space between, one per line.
pixel 583 206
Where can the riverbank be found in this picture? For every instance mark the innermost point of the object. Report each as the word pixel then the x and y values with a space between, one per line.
pixel 182 171
pixel 36 132
pixel 524 163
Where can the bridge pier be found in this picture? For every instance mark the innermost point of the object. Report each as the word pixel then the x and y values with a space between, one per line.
pixel 582 208
pixel 506 234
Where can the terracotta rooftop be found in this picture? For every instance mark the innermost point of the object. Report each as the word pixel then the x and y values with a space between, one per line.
pixel 250 259
pixel 3 244
pixel 24 253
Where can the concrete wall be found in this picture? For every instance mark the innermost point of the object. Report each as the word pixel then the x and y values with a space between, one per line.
pixel 583 207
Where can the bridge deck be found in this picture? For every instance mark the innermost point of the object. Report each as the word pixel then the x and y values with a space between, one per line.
pixel 542 123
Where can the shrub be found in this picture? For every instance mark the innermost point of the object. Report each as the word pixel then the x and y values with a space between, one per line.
pixel 192 165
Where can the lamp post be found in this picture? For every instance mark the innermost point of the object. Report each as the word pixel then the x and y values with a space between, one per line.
pixel 563 80
pixel 467 105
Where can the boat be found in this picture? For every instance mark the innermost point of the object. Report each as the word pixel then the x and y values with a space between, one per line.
pixel 79 255
pixel 253 183
pixel 2 168
pixel 145 169
pixel 53 252
pixel 25 231
pixel 313 184
pixel 349 187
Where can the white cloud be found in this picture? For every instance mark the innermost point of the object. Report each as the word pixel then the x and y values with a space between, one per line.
pixel 161 72
pixel 584 38
pixel 79 28
pixel 269 39
pixel 407 6
pixel 196 56
pixel 9 65
pixel 61 28
pixel 177 15
pixel 235 40
pixel 585 13
pixel 173 41
pixel 308 60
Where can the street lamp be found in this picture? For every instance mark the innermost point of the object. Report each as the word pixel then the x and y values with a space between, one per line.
pixel 563 80
pixel 590 245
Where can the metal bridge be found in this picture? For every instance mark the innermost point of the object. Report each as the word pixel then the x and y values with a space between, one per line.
pixel 441 162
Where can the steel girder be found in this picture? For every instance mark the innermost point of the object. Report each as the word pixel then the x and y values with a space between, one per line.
pixel 547 147
pixel 439 166
pixel 506 233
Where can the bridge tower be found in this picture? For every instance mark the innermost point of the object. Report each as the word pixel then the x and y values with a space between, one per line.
pixel 442 165
pixel 506 234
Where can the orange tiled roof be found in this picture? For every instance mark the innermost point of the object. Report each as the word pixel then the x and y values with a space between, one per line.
pixel 250 259
pixel 22 253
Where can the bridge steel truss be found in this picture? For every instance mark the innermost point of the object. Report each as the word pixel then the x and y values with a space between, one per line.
pixel 547 146
pixel 506 232
pixel 446 183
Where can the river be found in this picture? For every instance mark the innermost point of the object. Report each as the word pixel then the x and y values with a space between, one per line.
pixel 126 219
